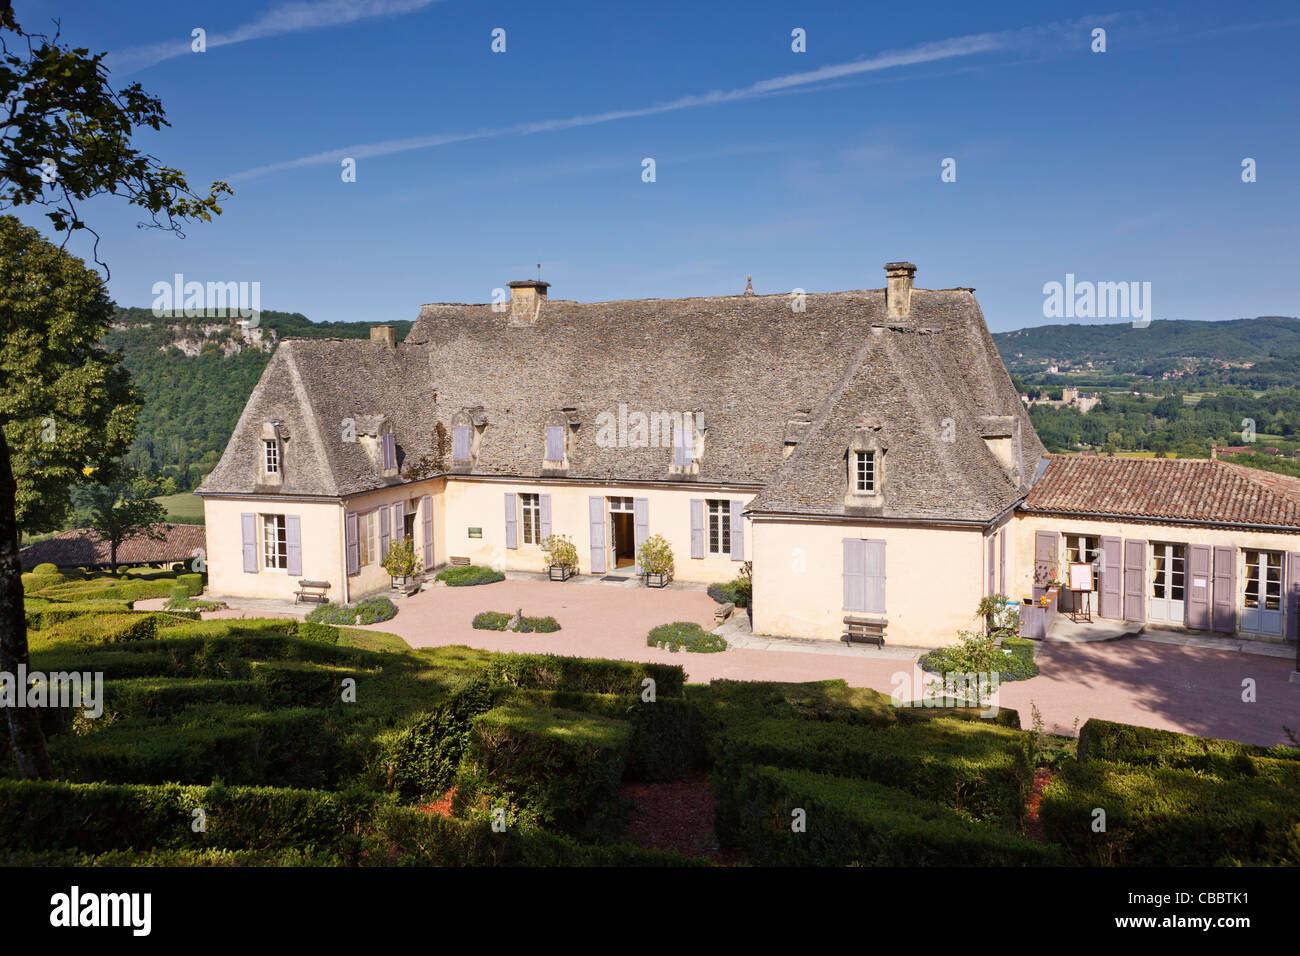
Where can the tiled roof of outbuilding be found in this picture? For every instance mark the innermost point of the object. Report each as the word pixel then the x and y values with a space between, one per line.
pixel 1214 492
pixel 84 548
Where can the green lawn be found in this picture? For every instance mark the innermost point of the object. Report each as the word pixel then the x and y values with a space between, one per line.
pixel 184 508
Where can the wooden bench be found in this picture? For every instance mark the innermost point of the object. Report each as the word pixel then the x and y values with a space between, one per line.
pixel 868 630
pixel 312 591
pixel 456 562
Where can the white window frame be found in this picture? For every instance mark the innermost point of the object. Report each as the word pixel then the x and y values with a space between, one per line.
pixel 1256 573
pixel 367 539
pixel 530 513
pixel 275 542
pixel 864 472
pixel 271 456
pixel 719 527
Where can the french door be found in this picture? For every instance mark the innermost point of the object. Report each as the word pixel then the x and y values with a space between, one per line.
pixel 1261 602
pixel 1168 583
pixel 1081 547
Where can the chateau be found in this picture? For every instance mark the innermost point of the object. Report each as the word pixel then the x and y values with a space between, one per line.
pixel 865 450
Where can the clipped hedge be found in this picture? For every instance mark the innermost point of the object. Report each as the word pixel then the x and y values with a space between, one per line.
pixel 321 633
pixel 193 583
pixel 164 696
pixel 299 684
pixel 103 628
pixel 685 634
pixel 584 674
pixel 468 575
pixel 1168 816
pixel 370 611
pixel 1127 743
pixel 979 769
pixel 856 822
pixel 45 614
pixel 550 767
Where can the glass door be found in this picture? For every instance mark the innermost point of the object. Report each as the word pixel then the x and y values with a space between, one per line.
pixel 1168 593
pixel 1261 602
pixel 1081 547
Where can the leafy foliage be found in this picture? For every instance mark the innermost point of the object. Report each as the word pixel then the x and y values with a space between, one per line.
pixel 468 575
pixel 685 634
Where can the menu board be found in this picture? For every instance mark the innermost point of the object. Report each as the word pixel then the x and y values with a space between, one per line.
pixel 1080 576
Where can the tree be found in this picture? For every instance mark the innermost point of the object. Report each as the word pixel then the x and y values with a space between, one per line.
pixel 65 137
pixel 123 506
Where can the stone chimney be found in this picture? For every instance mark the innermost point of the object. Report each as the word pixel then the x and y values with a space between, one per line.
pixel 526 298
pixel 898 289
pixel 383 333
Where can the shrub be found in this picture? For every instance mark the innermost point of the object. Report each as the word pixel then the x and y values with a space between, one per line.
pixel 164 696
pixel 856 822
pixel 685 634
pixel 553 767
pixel 560 551
pixel 180 594
pixel 655 556
pixel 1126 743
pixel 104 628
pixel 583 675
pixel 192 583
pixel 980 770
pixel 321 633
pixel 977 653
pixel 468 575
pixel 300 684
pixel 46 568
pixel 45 614
pixel 400 560
pixel 540 625
pixel 370 611
pixel 728 593
pixel 1166 816
pixel 500 621
pixel 492 620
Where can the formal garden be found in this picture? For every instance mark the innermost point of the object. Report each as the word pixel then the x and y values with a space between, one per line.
pixel 277 742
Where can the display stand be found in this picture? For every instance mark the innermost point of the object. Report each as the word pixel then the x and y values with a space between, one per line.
pixel 1080 591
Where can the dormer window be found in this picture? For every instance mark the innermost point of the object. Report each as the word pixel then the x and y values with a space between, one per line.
pixel 684 443
pixel 273 436
pixel 864 472
pixel 271 455
pixel 460 442
pixel 466 436
pixel 389 451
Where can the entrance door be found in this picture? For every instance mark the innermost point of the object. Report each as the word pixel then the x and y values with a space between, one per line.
pixel 1261 611
pixel 1168 594
pixel 622 537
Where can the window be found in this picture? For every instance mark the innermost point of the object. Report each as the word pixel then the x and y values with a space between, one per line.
pixel 532 506
pixel 272 456
pixel 1167 566
pixel 1263 580
pixel 366 545
pixel 719 527
pixel 864 472
pixel 1085 548
pixel 275 542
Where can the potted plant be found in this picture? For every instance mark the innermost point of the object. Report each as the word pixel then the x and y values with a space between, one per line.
pixel 561 556
pixel 655 558
pixel 400 562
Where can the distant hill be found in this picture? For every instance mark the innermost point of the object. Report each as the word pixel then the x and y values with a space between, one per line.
pixel 195 375
pixel 1255 353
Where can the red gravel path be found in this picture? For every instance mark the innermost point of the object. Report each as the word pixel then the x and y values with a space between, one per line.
pixel 675 816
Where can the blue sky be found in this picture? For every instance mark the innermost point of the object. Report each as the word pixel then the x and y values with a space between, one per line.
pixel 808 170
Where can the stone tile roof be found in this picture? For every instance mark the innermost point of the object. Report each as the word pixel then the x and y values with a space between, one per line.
pixel 746 363
pixel 83 548
pixel 1172 489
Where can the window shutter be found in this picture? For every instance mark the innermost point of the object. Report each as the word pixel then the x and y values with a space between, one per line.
pixel 875 576
pixel 350 542
pixel 399 520
pixel 1002 562
pixel 248 523
pixel 512 522
pixel 390 452
pixel 1292 595
pixel 545 522
pixel 597 522
pixel 683 447
pixel 988 564
pixel 855 574
pixel 697 527
pixel 293 544
pixel 1112 579
pixel 555 443
pixel 460 443
pixel 1046 546
pixel 426 516
pixel 737 530
pixel 1197 579
pixel 383 533
pixel 640 527
pixel 1135 580
pixel 1225 589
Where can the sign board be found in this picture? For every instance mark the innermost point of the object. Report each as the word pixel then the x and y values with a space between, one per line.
pixel 476 532
pixel 1080 576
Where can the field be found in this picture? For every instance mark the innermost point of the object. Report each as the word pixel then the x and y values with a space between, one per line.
pixel 184 508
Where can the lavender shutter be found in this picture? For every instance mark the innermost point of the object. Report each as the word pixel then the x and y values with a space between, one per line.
pixel 737 530
pixel 512 522
pixel 874 575
pixel 352 547
pixel 1045 551
pixel 248 525
pixel 399 521
pixel 1135 579
pixel 683 446
pixel 596 510
pixel 640 526
pixel 390 452
pixel 697 527
pixel 293 544
pixel 855 574
pixel 1112 579
pixel 1002 562
pixel 989 579
pixel 1197 608
pixel 460 443
pixel 426 514
pixel 1224 595
pixel 1292 592
pixel 383 533
pixel 545 516
pixel 554 443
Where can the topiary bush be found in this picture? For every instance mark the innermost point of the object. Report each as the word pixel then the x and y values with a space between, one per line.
pixel 321 633
pixel 501 621
pixel 1127 743
pixel 45 568
pixel 370 611
pixel 685 634
pixel 468 575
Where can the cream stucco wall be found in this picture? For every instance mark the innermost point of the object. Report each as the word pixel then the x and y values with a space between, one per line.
pixel 1238 539
pixel 481 504
pixel 372 578
pixel 321 529
pixel 933 579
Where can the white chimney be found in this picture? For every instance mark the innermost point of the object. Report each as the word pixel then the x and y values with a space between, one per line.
pixel 898 289
pixel 526 298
